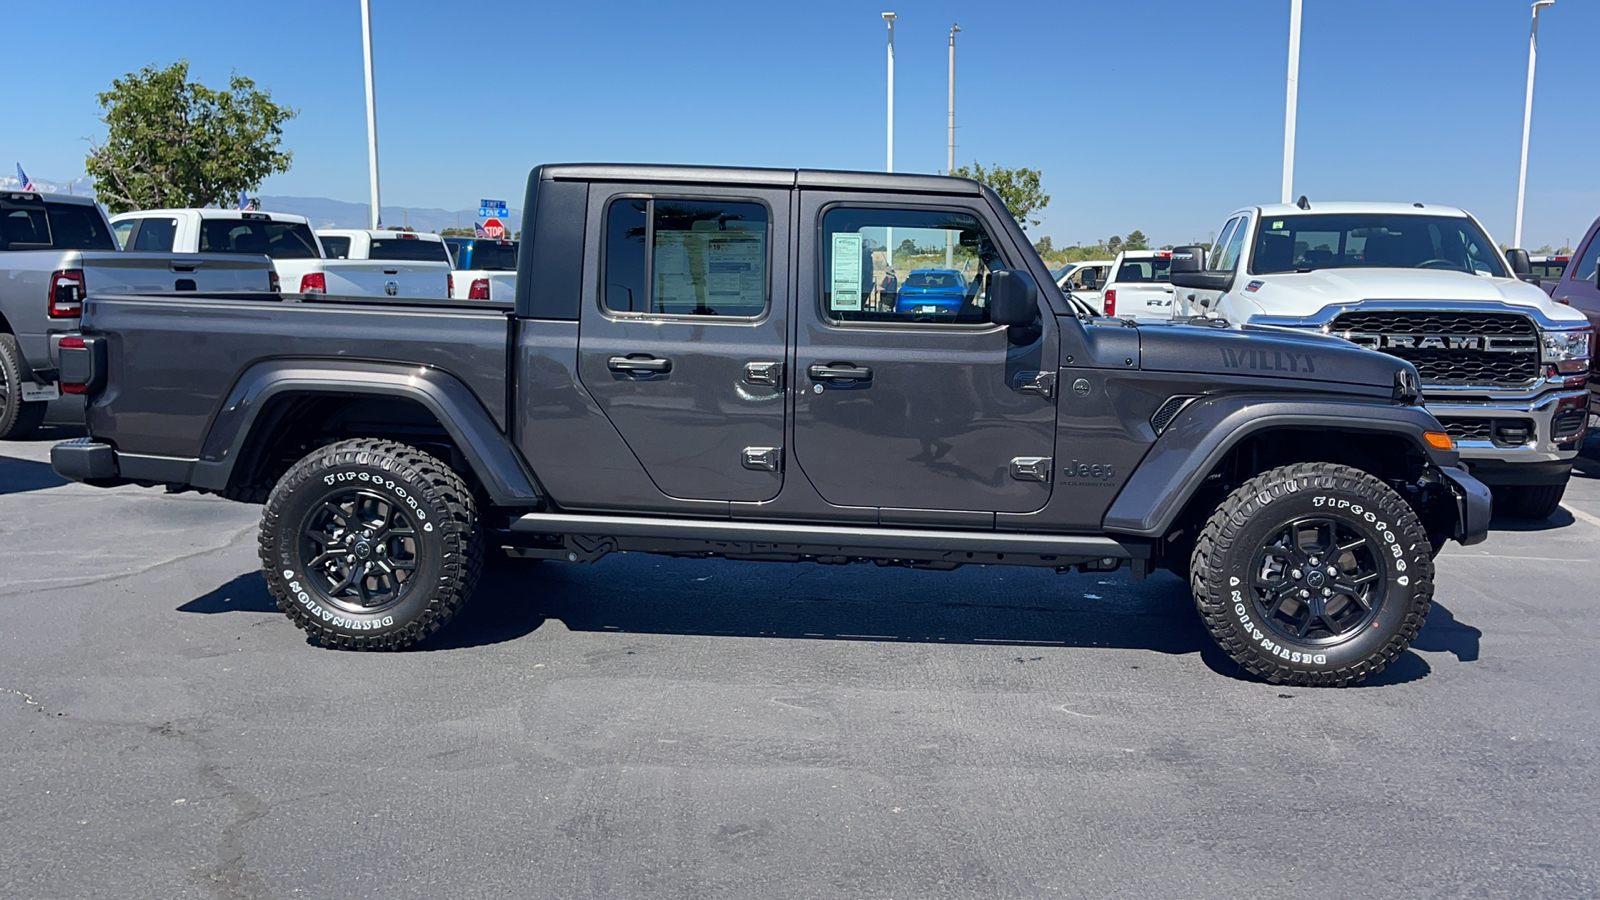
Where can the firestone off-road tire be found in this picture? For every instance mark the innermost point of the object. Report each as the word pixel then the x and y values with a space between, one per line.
pixel 1313 574
pixel 18 420
pixel 370 545
pixel 1533 502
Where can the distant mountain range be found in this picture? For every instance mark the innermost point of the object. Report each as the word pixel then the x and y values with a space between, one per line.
pixel 322 211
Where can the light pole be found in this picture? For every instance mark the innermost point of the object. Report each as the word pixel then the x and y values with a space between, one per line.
pixel 888 251
pixel 1527 118
pixel 950 147
pixel 1292 101
pixel 372 113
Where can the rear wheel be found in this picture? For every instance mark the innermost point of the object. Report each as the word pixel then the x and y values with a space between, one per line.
pixel 1313 574
pixel 1529 501
pixel 18 419
pixel 370 545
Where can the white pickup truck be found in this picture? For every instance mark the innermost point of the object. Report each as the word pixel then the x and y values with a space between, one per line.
pixel 423 260
pixel 295 252
pixel 1502 365
pixel 1138 287
pixel 1086 281
pixel 56 249
pixel 485 269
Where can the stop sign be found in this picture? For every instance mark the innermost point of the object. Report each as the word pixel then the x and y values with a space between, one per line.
pixel 494 229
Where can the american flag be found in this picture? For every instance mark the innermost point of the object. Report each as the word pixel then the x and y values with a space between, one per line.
pixel 245 203
pixel 477 230
pixel 23 179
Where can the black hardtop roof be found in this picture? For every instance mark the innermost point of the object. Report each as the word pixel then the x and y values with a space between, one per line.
pixel 785 178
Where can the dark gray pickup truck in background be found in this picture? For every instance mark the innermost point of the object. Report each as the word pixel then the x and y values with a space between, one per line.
pixel 697 364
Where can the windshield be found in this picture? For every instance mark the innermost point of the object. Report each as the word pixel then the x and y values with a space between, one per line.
pixel 1373 241
pixel 279 240
pixel 1155 269
pixel 1550 269
pixel 411 249
pixel 36 224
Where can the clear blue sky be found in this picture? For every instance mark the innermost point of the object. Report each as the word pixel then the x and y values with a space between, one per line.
pixel 1148 114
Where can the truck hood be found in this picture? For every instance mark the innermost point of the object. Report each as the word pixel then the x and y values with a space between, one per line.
pixel 1265 352
pixel 1303 294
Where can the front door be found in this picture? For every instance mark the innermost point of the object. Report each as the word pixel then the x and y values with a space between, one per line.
pixel 906 396
pixel 685 348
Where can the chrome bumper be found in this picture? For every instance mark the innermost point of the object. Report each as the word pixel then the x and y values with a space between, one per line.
pixel 1543 427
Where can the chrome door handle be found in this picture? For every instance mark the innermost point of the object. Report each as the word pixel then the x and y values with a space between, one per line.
pixel 636 365
pixel 834 372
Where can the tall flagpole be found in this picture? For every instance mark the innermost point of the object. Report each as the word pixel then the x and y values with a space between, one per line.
pixel 372 114
pixel 1293 101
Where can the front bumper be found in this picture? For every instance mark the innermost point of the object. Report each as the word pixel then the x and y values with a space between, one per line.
pixel 1474 505
pixel 1531 439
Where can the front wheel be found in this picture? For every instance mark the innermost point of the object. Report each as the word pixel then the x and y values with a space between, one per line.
pixel 370 545
pixel 1313 574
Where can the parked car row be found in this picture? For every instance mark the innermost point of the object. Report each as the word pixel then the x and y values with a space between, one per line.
pixel 1502 364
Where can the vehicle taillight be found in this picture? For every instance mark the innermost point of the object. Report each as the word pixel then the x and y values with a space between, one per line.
pixel 479 289
pixel 274 283
pixel 72 342
pixel 449 285
pixel 314 283
pixel 66 294
pixel 1111 302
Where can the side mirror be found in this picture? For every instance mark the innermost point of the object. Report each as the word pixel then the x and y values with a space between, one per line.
pixel 1013 298
pixel 1521 266
pixel 1189 270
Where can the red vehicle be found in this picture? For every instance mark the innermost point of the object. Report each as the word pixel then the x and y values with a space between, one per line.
pixel 1579 289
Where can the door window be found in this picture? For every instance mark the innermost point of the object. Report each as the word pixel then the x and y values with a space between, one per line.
pixel 121 230
pixel 1231 244
pixel 680 257
pixel 156 235
pixel 1587 262
pixel 906 265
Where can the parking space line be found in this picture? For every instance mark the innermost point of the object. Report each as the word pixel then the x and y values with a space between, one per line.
pixel 1580 514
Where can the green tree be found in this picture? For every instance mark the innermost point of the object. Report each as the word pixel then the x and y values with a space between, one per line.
pixel 1114 243
pixel 172 142
pixel 1043 246
pixel 457 232
pixel 1018 188
pixel 1136 241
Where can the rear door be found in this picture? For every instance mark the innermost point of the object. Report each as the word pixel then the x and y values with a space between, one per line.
pixel 904 411
pixel 684 349
pixel 1580 287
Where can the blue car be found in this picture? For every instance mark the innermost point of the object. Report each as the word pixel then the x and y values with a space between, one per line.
pixel 932 292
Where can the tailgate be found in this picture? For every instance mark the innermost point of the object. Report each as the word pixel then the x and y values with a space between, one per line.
pixel 381 278
pixel 106 272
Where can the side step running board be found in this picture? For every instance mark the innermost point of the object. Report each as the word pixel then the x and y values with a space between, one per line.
pixel 840 540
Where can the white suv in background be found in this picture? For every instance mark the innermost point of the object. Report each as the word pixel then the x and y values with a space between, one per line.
pixel 1086 280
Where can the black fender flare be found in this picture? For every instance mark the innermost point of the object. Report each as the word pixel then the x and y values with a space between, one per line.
pixel 1208 429
pixel 487 450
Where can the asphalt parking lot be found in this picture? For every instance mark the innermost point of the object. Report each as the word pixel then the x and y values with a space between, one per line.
pixel 673 728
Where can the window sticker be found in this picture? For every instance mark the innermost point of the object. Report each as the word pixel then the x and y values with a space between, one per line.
pixel 846 276
pixel 699 269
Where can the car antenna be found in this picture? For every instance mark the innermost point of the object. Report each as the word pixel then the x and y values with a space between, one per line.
pixel 1303 203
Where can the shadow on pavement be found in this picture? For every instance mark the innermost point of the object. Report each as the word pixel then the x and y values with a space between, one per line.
pixel 1558 519
pixel 19 476
pixel 514 599
pixel 247 593
pixel 1443 633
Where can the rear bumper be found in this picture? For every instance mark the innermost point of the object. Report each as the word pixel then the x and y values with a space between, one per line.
pixel 84 459
pixel 1474 505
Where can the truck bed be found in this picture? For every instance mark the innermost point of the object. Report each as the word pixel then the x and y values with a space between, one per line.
pixel 176 359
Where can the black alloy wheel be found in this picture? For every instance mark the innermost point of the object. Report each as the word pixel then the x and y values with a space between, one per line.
pixel 361 550
pixel 1318 581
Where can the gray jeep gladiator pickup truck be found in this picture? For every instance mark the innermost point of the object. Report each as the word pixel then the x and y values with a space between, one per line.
pixel 697 365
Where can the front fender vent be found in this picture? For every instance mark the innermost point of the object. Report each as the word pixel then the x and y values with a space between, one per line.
pixel 1169 410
